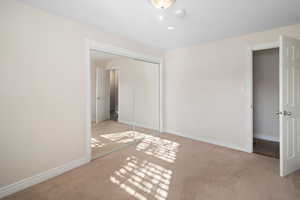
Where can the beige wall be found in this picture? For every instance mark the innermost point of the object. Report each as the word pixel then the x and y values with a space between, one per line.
pixel 43 89
pixel 206 88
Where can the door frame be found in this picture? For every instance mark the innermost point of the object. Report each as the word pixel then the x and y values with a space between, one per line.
pixel 250 85
pixel 102 47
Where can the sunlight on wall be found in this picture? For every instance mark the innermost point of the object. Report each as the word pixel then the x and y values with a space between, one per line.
pixel 160 148
pixel 142 179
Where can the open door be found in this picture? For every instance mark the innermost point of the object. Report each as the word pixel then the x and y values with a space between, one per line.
pixel 289 105
pixel 98 95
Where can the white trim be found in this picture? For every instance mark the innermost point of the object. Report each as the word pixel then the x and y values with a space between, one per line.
pixel 38 178
pixel 266 137
pixel 92 45
pixel 249 126
pixel 231 146
pixel 88 101
pixel 265 46
pixel 122 52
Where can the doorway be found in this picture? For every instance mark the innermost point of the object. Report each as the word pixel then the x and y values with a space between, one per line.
pixel 114 94
pixel 288 111
pixel 266 102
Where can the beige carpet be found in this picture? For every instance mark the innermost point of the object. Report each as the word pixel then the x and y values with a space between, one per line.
pixel 171 168
pixel 108 136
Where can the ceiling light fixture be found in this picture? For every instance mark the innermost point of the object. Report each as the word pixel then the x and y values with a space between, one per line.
pixel 162 4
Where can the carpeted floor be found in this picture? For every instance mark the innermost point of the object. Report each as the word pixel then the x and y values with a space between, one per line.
pixel 171 168
pixel 110 135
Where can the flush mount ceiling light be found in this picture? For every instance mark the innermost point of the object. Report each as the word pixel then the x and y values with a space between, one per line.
pixel 162 4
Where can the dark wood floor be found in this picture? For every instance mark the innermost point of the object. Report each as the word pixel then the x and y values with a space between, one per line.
pixel 266 148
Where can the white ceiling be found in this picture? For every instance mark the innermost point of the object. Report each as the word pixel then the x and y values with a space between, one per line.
pixel 206 20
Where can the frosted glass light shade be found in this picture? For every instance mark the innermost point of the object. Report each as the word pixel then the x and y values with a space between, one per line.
pixel 162 4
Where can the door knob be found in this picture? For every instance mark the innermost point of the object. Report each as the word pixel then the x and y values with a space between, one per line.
pixel 287 113
pixel 278 113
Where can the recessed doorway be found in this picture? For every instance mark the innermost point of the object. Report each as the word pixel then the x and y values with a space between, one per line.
pixel 266 102
pixel 114 94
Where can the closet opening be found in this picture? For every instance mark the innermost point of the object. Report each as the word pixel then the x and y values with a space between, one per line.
pixel 266 102
pixel 114 94
pixel 125 102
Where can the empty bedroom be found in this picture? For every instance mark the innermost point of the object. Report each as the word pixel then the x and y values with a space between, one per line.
pixel 149 100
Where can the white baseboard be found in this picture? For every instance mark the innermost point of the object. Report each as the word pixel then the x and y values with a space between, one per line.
pixel 266 137
pixel 38 178
pixel 231 146
pixel 137 124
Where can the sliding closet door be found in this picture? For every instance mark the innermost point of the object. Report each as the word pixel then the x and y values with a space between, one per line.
pixel 139 84
pixel 146 97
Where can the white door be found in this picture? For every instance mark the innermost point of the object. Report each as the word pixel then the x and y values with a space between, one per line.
pixel 289 105
pixel 98 94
